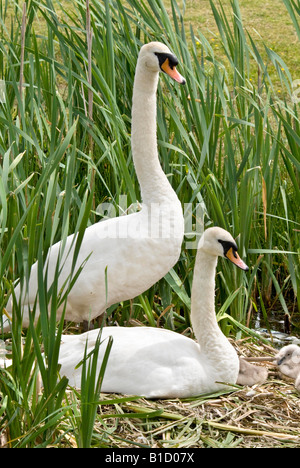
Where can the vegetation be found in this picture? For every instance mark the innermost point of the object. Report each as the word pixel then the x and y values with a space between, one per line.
pixel 228 140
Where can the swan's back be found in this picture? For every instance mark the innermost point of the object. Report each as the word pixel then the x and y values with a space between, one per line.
pixel 143 360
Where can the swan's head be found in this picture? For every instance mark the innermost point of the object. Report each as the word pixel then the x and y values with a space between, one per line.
pixel 157 57
pixel 218 242
pixel 289 355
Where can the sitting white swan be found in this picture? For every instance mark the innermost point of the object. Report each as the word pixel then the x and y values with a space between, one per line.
pixel 128 254
pixel 158 363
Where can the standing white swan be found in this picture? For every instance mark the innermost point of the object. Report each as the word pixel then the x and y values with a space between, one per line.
pixel 128 254
pixel 158 363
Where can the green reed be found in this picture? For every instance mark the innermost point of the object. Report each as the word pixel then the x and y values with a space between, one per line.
pixel 228 142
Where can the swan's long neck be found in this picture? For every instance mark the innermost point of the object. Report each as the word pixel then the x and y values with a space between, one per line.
pixel 212 341
pixel 155 187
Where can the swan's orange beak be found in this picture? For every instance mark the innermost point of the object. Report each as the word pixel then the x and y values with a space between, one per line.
pixel 172 72
pixel 233 256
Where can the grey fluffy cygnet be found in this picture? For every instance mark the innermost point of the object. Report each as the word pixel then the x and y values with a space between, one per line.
pixel 250 375
pixel 288 361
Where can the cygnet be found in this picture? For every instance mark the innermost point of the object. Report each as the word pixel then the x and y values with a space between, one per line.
pixel 250 375
pixel 288 361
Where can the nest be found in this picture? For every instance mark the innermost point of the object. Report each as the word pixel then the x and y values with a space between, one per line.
pixel 260 416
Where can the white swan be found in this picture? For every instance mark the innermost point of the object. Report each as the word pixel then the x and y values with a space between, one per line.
pixel 128 254
pixel 158 363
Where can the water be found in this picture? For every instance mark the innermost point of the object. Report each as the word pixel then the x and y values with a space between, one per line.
pixel 276 331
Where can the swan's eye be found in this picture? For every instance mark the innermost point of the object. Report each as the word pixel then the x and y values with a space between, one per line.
pixel 167 64
pixel 227 245
pixel 162 57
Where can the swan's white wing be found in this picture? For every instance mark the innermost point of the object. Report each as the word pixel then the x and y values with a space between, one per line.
pixel 143 361
pixel 121 258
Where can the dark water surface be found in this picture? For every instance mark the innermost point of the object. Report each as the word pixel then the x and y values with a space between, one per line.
pixel 279 330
